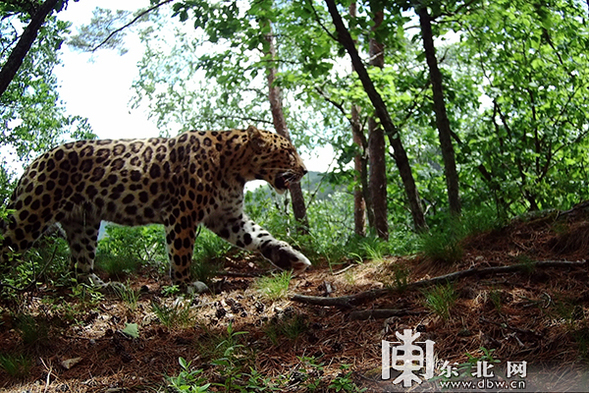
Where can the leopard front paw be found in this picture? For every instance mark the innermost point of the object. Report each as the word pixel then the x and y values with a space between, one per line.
pixel 285 257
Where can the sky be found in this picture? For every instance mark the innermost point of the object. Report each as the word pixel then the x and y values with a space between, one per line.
pixel 99 86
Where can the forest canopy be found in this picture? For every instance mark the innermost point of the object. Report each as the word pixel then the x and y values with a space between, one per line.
pixel 485 100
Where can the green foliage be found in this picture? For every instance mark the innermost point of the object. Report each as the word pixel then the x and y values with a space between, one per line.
pixel 131 330
pixel 127 294
pixel 179 314
pixel 274 287
pixel 17 366
pixel 170 290
pixel 288 326
pixel 48 262
pixel 444 242
pixel 188 380
pixel 124 249
pixel 231 363
pixel 311 372
pixel 88 294
pixel 343 382
pixel 526 144
pixel 440 299
pixel 103 23
pixel 31 330
pixel 442 245
pixel 209 250
pixel 33 117
pixel 400 277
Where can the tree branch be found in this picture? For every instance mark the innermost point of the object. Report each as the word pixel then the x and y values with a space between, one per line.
pixel 24 44
pixel 350 300
pixel 139 16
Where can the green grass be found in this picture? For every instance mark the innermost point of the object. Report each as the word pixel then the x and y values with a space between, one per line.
pixel 440 299
pixel 274 287
pixel 32 331
pixel 177 315
pixel 127 295
pixel 289 327
pixel 17 366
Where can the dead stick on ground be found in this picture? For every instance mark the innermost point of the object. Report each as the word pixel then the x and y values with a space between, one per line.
pixel 350 300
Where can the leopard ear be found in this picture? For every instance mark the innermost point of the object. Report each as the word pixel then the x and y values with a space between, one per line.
pixel 256 139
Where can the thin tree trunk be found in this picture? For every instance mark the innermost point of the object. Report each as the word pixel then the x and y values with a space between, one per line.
pixel 359 140
pixel 360 207
pixel 345 39
pixel 442 122
pixel 377 146
pixel 275 98
pixel 24 44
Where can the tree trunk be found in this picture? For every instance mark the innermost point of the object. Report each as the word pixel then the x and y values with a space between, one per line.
pixel 275 98
pixel 345 39
pixel 442 122
pixel 24 44
pixel 360 208
pixel 377 146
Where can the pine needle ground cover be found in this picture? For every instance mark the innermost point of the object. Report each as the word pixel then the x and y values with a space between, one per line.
pixel 236 338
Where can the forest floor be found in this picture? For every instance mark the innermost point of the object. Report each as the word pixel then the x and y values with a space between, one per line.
pixel 539 315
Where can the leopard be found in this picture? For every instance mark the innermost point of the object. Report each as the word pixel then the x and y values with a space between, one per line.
pixel 195 178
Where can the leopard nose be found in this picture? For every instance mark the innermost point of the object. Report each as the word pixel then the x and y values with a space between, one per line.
pixel 305 171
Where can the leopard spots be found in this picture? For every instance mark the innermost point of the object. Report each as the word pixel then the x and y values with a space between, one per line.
pixel 196 177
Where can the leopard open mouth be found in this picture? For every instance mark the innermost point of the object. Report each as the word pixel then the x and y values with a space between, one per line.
pixel 283 181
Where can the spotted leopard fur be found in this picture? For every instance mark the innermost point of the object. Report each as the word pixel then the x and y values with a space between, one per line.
pixel 194 178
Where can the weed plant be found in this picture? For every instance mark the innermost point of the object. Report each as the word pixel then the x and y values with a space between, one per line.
pixel 188 380
pixel 128 295
pixel 178 314
pixel 275 286
pixel 31 330
pixel 17 366
pixel 289 327
pixel 444 243
pixel 88 295
pixel 440 299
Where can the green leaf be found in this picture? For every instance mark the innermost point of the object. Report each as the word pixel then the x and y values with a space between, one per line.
pixel 131 330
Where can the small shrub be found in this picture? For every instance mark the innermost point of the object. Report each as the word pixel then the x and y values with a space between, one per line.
pixel 87 294
pixel 188 380
pixel 123 250
pixel 440 299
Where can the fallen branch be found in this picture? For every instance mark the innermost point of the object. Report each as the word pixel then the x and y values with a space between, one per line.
pixel 350 300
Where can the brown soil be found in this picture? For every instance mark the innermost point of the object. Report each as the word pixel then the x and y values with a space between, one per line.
pixel 539 317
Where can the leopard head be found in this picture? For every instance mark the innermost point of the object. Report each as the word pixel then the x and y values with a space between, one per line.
pixel 275 159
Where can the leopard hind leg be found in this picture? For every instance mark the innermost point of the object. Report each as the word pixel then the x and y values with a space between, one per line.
pixel 82 238
pixel 19 232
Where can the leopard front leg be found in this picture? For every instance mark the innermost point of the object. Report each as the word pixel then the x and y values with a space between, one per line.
pixel 244 233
